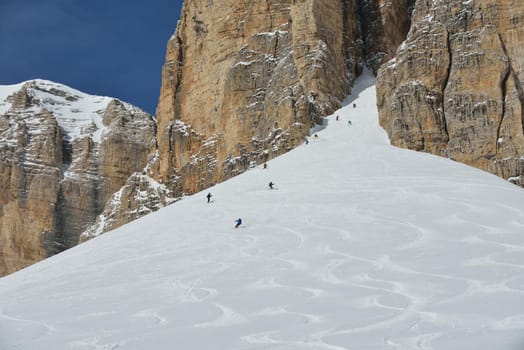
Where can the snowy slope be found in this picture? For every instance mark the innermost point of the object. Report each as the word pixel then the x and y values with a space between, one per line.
pixel 6 91
pixel 363 246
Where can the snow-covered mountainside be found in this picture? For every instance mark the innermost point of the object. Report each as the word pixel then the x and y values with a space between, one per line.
pixel 63 154
pixel 360 246
pixel 78 114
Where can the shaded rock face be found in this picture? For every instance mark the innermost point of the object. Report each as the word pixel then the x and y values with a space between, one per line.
pixel 244 81
pixel 63 155
pixel 384 27
pixel 455 86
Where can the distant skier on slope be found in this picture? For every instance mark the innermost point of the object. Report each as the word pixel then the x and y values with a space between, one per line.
pixel 209 197
pixel 271 184
pixel 238 222
pixel 337 117
pixel 349 122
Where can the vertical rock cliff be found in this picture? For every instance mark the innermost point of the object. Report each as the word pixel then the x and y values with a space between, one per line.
pixel 244 81
pixel 63 155
pixel 385 24
pixel 455 86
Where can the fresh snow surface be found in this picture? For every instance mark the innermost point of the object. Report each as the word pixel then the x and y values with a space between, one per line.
pixel 78 113
pixel 362 246
pixel 5 91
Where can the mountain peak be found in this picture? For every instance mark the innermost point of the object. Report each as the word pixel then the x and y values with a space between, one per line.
pixel 64 153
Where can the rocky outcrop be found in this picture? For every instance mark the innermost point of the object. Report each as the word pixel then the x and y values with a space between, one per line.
pixel 139 196
pixel 30 167
pixel 455 86
pixel 63 155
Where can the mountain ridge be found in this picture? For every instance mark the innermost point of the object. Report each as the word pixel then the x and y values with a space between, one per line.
pixel 64 153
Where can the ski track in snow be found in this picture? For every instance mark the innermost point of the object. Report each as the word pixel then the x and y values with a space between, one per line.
pixel 364 246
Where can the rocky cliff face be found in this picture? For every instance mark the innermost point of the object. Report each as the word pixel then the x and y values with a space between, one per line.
pixel 139 196
pixel 244 81
pixel 455 86
pixel 63 155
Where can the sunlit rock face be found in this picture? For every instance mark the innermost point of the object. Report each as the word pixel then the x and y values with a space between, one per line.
pixel 455 86
pixel 63 155
pixel 244 81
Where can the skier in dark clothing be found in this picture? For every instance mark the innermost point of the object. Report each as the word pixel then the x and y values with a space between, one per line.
pixel 238 222
pixel 209 197
pixel 271 184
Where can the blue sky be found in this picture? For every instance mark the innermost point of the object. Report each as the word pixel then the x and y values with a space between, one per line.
pixel 104 47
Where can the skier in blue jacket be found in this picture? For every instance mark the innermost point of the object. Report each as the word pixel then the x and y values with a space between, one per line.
pixel 238 222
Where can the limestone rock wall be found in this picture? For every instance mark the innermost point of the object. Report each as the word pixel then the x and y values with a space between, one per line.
pixel 126 146
pixel 30 167
pixel 62 156
pixel 244 81
pixel 455 86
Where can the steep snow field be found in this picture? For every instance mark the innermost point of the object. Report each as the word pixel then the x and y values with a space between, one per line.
pixel 362 246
